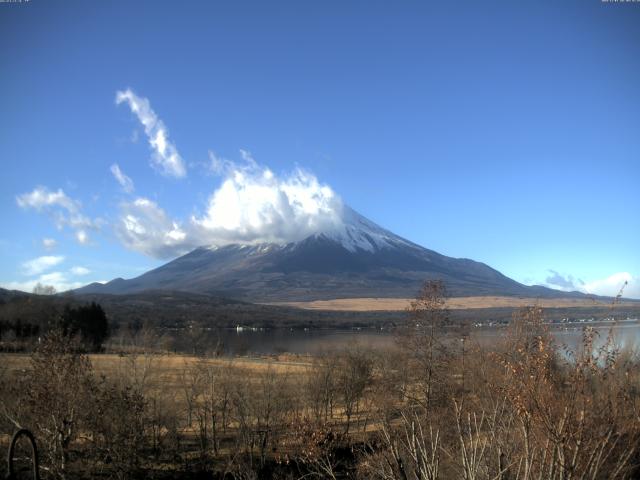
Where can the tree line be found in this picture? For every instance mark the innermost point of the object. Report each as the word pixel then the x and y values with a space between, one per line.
pixel 27 320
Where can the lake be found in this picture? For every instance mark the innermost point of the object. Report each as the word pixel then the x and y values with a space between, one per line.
pixel 243 341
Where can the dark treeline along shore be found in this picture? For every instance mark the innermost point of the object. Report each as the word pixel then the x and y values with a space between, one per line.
pixel 31 315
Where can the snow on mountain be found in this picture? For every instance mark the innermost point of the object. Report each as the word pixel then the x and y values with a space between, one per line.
pixel 354 232
pixel 354 258
pixel 359 233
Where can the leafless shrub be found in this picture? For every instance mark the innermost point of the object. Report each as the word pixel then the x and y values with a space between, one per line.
pixel 117 429
pixel 409 451
pixel 54 401
pixel 321 387
pixel 314 450
pixel 354 374
pixel 572 409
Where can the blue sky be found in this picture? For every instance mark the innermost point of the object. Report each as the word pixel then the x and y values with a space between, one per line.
pixel 507 132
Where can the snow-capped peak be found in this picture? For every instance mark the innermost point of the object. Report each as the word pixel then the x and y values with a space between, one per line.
pixel 359 233
pixel 354 232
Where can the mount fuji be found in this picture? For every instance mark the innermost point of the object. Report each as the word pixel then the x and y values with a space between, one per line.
pixel 354 259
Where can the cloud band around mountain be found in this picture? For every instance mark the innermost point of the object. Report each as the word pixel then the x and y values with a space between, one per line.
pixel 251 205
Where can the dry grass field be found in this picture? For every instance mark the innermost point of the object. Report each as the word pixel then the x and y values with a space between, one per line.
pixel 179 392
pixel 165 370
pixel 360 413
pixel 459 303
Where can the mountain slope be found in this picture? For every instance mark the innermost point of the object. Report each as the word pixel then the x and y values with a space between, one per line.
pixel 358 259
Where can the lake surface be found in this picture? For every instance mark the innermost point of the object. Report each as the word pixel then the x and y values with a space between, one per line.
pixel 243 341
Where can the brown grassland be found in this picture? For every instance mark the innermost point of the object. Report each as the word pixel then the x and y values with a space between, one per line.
pixel 457 303
pixel 167 366
pixel 435 406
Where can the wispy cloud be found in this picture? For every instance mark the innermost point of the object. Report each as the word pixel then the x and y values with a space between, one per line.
pixel 82 237
pixel 38 265
pixel 64 210
pixel 49 243
pixel 165 157
pixel 80 271
pixel 145 227
pixel 58 280
pixel 37 269
pixel 562 282
pixel 42 198
pixel 125 182
pixel 218 165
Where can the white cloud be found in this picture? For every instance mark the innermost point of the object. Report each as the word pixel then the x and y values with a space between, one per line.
pixel 80 271
pixel 37 269
pixel 247 157
pixel 41 264
pixel 613 284
pixel 146 228
pixel 49 243
pixel 82 237
pixel 125 182
pixel 563 282
pixel 217 164
pixel 42 199
pixel 64 211
pixel 52 278
pixel 607 287
pixel 165 155
pixel 252 205
pixel 58 280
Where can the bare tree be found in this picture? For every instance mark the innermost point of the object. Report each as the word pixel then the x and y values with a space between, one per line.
pixel 321 381
pixel 40 289
pixel 422 339
pixel 59 389
pixel 354 374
